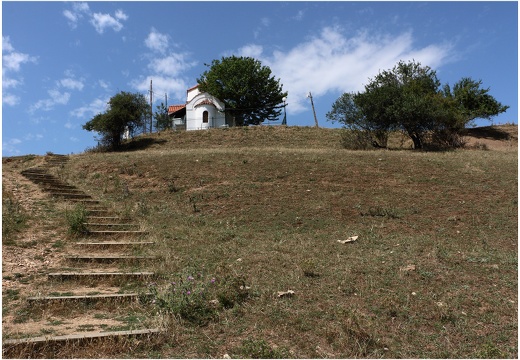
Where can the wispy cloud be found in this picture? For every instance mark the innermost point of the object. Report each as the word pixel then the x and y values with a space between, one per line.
pixel 6 44
pixel 265 22
pixel 12 62
pixel 165 70
pixel 60 94
pixel 71 83
pixel 97 106
pixel 299 15
pixel 11 146
pixel 104 84
pixel 76 13
pixel 157 41
pixel 101 22
pixel 333 62
pixel 55 98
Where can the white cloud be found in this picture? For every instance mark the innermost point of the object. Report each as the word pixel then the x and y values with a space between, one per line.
pixel 10 83
pixel 157 41
pixel 10 99
pixel 72 84
pixel 103 84
pixel 9 146
pixel 299 15
pixel 173 86
pixel 120 15
pixel 97 106
pixel 13 60
pixel 73 16
pixel 106 21
pixel 56 98
pixel 6 44
pixel 254 51
pixel 31 137
pixel 80 7
pixel 171 65
pixel 333 62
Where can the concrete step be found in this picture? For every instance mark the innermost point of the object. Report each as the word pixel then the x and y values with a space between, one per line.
pixel 70 188
pixel 117 232
pixel 82 336
pixel 115 243
pixel 88 298
pixel 98 275
pixel 70 195
pixel 108 258
pixel 110 224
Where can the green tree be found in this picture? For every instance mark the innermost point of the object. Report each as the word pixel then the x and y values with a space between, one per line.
pixel 249 91
pixel 409 98
pixel 126 112
pixel 162 120
pixel 473 101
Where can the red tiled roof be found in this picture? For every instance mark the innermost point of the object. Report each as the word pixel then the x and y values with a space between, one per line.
pixel 193 87
pixel 205 102
pixel 175 108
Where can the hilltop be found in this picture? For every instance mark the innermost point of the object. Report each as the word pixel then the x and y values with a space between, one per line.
pixel 429 269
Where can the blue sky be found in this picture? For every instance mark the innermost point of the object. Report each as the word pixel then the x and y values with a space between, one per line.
pixel 62 61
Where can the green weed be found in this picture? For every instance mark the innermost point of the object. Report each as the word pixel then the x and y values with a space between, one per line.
pixel 14 219
pixel 76 220
pixel 260 349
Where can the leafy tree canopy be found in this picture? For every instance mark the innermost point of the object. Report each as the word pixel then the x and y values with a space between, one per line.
pixel 249 91
pixel 162 120
pixel 409 98
pixel 126 111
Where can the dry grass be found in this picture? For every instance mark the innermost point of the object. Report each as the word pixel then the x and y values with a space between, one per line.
pixel 433 273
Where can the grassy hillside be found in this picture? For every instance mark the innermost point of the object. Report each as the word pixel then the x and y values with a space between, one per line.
pixel 254 212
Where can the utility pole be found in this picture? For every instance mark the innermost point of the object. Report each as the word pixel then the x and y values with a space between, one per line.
pixel 313 110
pixel 151 109
pixel 166 107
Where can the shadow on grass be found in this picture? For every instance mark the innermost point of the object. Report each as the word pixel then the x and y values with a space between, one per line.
pixel 140 144
pixel 488 132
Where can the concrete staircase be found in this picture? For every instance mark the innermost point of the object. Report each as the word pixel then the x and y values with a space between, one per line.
pixel 113 252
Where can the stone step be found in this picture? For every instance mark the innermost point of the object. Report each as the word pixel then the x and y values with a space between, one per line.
pixel 70 188
pixel 115 243
pixel 79 275
pixel 105 219
pixel 70 195
pixel 40 176
pixel 108 258
pixel 117 232
pixel 97 211
pixel 82 336
pixel 87 298
pixel 111 226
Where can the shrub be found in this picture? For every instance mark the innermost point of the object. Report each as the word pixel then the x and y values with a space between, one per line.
pixel 196 297
pixel 187 297
pixel 356 139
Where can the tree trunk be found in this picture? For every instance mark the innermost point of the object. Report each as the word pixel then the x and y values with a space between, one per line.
pixel 417 141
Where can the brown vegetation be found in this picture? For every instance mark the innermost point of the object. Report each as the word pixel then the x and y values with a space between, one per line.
pixel 433 272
